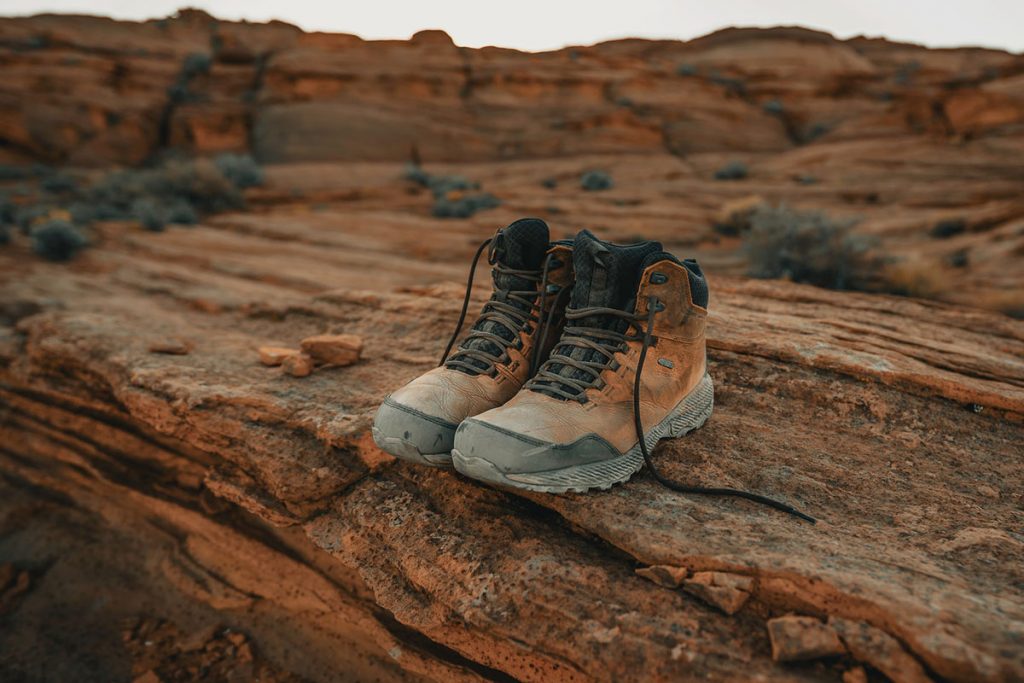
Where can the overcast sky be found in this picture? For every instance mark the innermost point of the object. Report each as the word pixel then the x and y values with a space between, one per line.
pixel 551 24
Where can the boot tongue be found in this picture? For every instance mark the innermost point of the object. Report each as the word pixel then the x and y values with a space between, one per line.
pixel 523 245
pixel 607 276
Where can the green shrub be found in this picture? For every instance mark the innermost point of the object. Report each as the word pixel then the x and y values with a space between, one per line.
pixel 240 169
pixel 82 213
pixel 443 185
pixel 415 173
pixel 149 214
pixel 181 213
pixel 27 216
pixel 59 183
pixel 8 172
pixel 195 64
pixel 773 107
pixel 948 228
pixel 734 170
pixel 465 206
pixel 7 210
pixel 686 70
pixel 805 247
pixel 813 132
pixel 595 181
pixel 549 183
pixel 57 240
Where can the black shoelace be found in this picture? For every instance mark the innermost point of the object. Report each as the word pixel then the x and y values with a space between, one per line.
pixel 606 343
pixel 514 318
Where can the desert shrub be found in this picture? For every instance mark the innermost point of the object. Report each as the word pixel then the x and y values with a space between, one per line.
pixel 181 213
pixel 594 181
pixel 149 214
pixel 59 183
pixel 8 172
pixel 444 185
pixel 813 132
pixel 734 170
pixel 7 210
pixel 773 107
pixel 195 64
pixel 199 185
pixel 240 169
pixel 549 183
pixel 805 247
pixel 28 215
pixel 454 196
pixel 686 70
pixel 464 206
pixel 958 259
pixel 948 228
pixel 415 173
pixel 57 240
pixel 82 213
pixel 807 179
pixel 733 85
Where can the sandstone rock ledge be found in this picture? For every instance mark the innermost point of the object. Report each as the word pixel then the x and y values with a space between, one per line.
pixel 205 489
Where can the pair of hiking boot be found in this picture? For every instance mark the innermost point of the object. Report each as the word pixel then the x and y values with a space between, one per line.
pixel 586 355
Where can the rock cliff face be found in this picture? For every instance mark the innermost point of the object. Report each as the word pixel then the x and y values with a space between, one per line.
pixel 93 91
pixel 171 509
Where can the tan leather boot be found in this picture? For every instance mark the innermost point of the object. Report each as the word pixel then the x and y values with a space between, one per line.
pixel 572 426
pixel 629 369
pixel 513 334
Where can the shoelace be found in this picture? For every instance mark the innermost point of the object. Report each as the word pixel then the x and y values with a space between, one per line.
pixel 607 343
pixel 505 314
pixel 652 309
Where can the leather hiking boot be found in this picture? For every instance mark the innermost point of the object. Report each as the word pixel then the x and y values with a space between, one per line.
pixel 572 427
pixel 515 330
pixel 629 370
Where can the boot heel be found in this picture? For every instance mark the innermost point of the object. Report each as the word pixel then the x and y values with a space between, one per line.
pixel 694 410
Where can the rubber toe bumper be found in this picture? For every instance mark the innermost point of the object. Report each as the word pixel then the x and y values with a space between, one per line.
pixel 489 453
pixel 411 435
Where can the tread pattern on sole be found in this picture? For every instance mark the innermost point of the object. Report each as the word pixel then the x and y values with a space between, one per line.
pixel 689 414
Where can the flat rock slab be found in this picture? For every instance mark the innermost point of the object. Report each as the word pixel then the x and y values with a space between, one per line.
pixel 898 423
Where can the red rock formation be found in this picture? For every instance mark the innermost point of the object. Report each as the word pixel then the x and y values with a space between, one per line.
pixel 160 485
pixel 95 91
pixel 229 494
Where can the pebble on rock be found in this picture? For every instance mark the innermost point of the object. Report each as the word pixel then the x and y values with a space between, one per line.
pixel 272 356
pixel 299 365
pixel 728 592
pixel 333 349
pixel 171 346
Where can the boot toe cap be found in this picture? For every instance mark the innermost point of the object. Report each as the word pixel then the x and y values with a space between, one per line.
pixel 411 434
pixel 490 453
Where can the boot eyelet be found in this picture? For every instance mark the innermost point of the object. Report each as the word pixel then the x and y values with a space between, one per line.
pixel 658 278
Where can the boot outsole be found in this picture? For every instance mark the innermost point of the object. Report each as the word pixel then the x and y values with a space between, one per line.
pixel 689 414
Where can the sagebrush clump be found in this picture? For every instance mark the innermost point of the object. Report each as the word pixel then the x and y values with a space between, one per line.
pixel 454 196
pixel 57 240
pixel 177 191
pixel 806 246
pixel 734 170
pixel 595 181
